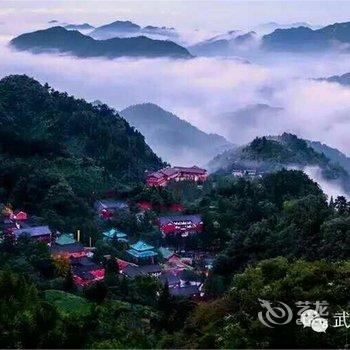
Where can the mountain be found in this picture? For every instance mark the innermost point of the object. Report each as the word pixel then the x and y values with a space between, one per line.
pixel 227 44
pixel 163 31
pixel 272 153
pixel 333 154
pixel 59 153
pixel 114 29
pixel 266 28
pixel 335 36
pixel 174 139
pixel 75 43
pixel 343 79
pixel 83 26
pixel 246 123
pixel 130 29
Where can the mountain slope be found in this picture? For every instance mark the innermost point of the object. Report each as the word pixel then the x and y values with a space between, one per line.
pixel 58 153
pixel 343 79
pixel 266 28
pixel 267 154
pixel 74 43
pixel 333 154
pixel 174 139
pixel 305 39
pixel 227 44
pixel 129 29
pixel 83 26
pixel 114 29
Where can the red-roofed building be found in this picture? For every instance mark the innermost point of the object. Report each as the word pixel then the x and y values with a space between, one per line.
pixel 19 215
pixel 163 176
pixel 180 224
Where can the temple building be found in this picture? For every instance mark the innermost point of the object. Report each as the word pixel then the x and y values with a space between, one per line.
pixel 163 176
pixel 142 252
pixel 66 246
pixel 180 224
pixel 111 234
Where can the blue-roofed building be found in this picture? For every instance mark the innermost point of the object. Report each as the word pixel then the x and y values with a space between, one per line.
pixel 111 234
pixel 142 252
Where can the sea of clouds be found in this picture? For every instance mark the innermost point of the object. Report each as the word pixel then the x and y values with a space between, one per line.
pixel 200 89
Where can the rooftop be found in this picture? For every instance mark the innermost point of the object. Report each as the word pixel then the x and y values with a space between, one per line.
pixel 196 219
pixel 65 238
pixel 134 271
pixel 113 233
pixel 33 231
pixel 166 252
pixel 112 204
pixel 141 246
pixel 177 169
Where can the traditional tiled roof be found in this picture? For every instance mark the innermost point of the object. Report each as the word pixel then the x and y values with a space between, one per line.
pixel 195 219
pixel 134 271
pixel 110 204
pixel 194 170
pixel 141 246
pixel 33 231
pixel 168 172
pixel 83 264
pixel 65 238
pixel 166 252
pixel 144 254
pixel 113 233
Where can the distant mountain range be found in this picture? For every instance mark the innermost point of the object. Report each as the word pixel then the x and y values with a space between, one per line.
pixel 333 154
pixel 343 79
pixel 272 153
pixel 301 39
pixel 75 43
pixel 174 139
pixel 83 26
pixel 269 27
pixel 128 28
pixel 227 44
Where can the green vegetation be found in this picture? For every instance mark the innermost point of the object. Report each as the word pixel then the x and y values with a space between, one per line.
pixel 58 153
pixel 67 304
pixel 276 237
pixel 266 154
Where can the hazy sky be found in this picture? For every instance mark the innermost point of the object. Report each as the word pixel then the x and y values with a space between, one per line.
pixel 214 15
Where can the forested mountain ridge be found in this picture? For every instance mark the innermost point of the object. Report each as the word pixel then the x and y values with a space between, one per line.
pixel 80 45
pixel 275 152
pixel 55 148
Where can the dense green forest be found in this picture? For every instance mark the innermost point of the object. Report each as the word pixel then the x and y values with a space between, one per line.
pixel 59 153
pixel 276 238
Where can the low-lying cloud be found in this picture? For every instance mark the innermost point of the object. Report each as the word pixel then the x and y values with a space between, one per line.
pixel 201 89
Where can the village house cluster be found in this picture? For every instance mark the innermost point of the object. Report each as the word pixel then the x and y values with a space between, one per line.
pixel 183 271
pixel 16 224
